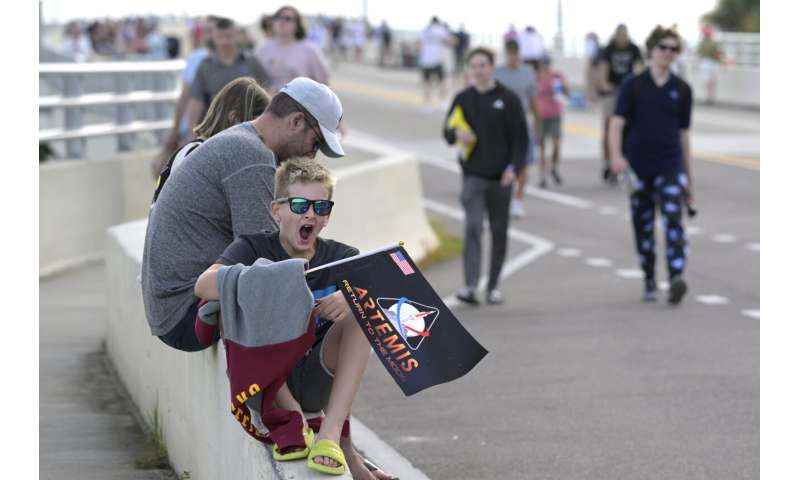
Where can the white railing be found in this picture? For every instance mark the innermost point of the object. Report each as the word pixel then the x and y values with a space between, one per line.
pixel 157 85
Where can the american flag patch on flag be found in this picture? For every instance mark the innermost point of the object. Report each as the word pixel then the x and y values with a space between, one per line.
pixel 401 262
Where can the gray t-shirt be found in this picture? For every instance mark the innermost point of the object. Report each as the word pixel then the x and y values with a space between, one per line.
pixel 212 75
pixel 521 80
pixel 222 190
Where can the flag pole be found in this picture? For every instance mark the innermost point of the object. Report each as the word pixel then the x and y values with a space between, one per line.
pixel 348 259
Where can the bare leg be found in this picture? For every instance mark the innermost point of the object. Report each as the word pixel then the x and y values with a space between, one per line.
pixel 345 353
pixel 542 161
pixel 556 152
pixel 522 179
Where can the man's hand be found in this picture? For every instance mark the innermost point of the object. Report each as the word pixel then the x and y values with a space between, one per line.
pixel 619 164
pixel 333 307
pixel 508 177
pixel 464 136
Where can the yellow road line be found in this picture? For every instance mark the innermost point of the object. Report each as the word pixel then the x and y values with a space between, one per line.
pixel 415 98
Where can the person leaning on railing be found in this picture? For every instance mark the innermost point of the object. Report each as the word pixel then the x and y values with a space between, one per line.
pixel 241 100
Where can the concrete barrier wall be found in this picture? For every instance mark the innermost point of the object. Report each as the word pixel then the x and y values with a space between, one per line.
pixel 737 86
pixel 189 391
pixel 377 203
pixel 80 199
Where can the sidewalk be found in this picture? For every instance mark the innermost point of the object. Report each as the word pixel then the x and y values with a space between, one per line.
pixel 87 430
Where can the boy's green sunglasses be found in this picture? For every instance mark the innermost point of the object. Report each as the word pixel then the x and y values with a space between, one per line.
pixel 300 205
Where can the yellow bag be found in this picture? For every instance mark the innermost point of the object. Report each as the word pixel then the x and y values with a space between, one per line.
pixel 457 121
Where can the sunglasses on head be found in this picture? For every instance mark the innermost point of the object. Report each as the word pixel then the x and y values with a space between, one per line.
pixel 300 205
pixel 673 49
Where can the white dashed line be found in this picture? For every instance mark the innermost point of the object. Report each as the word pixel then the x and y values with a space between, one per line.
pixel 608 210
pixel 568 252
pixel 712 299
pixel 724 238
pixel 692 230
pixel 630 273
pixel 752 314
pixel 663 286
pixel 598 262
pixel 756 247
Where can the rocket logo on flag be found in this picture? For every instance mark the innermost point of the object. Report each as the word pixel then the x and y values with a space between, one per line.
pixel 402 263
pixel 411 319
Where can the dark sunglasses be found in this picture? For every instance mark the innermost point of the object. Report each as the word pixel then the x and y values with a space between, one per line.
pixel 317 135
pixel 285 18
pixel 300 205
pixel 669 47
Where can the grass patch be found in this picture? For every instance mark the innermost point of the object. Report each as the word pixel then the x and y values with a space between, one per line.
pixel 450 246
pixel 154 456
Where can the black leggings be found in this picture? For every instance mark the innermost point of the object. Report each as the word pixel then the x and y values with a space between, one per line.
pixel 182 337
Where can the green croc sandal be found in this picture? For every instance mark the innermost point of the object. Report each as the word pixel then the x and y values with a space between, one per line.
pixel 329 449
pixel 308 436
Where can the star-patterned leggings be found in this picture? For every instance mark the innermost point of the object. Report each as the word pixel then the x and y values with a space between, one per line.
pixel 668 192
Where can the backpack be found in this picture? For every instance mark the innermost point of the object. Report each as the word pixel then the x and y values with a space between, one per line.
pixel 162 178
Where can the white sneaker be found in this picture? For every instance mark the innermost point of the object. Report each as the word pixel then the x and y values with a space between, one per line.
pixel 495 297
pixel 516 208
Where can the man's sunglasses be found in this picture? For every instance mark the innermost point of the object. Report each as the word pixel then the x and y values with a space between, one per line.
pixel 669 47
pixel 318 139
pixel 300 205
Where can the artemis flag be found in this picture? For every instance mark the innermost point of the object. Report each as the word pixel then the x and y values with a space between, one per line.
pixel 417 338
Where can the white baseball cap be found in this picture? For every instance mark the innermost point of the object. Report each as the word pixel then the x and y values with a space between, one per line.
pixel 324 106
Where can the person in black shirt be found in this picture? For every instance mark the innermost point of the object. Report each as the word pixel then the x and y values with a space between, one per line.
pixel 618 60
pixel 498 137
pixel 330 374
pixel 656 107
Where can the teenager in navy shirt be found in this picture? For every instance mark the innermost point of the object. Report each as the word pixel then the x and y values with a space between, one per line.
pixel 654 108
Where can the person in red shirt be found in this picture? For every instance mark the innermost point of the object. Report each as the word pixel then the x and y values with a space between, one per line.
pixel 550 101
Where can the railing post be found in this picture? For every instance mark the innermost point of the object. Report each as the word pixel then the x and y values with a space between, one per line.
pixel 123 112
pixel 160 84
pixel 73 116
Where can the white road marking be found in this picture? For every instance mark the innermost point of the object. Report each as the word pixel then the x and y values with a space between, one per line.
pixel 663 286
pixel 382 454
pixel 568 252
pixel 539 246
pixel 692 230
pixel 364 141
pixel 630 273
pixel 752 314
pixel 724 238
pixel 598 262
pixel 712 299
pixel 608 210
pixel 756 247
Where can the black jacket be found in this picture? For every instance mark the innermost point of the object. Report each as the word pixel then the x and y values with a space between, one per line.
pixel 499 123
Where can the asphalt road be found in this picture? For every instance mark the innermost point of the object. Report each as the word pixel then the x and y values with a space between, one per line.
pixel 583 381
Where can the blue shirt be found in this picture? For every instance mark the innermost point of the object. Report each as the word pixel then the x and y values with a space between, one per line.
pixel 654 118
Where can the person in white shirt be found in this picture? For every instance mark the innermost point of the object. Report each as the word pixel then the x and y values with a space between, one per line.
pixel 76 43
pixel 434 42
pixel 531 47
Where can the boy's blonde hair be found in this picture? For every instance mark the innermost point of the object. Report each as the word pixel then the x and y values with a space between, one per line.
pixel 302 170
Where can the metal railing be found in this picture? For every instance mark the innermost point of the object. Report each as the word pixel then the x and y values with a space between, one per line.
pixel 86 91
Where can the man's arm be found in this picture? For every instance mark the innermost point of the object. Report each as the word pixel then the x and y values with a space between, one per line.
pixel 685 147
pixel 518 128
pixel 194 111
pixel 618 161
pixel 206 285
pixel 180 108
pixel 602 80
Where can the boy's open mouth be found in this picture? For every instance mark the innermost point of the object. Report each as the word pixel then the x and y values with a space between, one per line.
pixel 305 231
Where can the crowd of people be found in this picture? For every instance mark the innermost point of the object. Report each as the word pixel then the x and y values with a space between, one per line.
pixel 127 38
pixel 239 192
